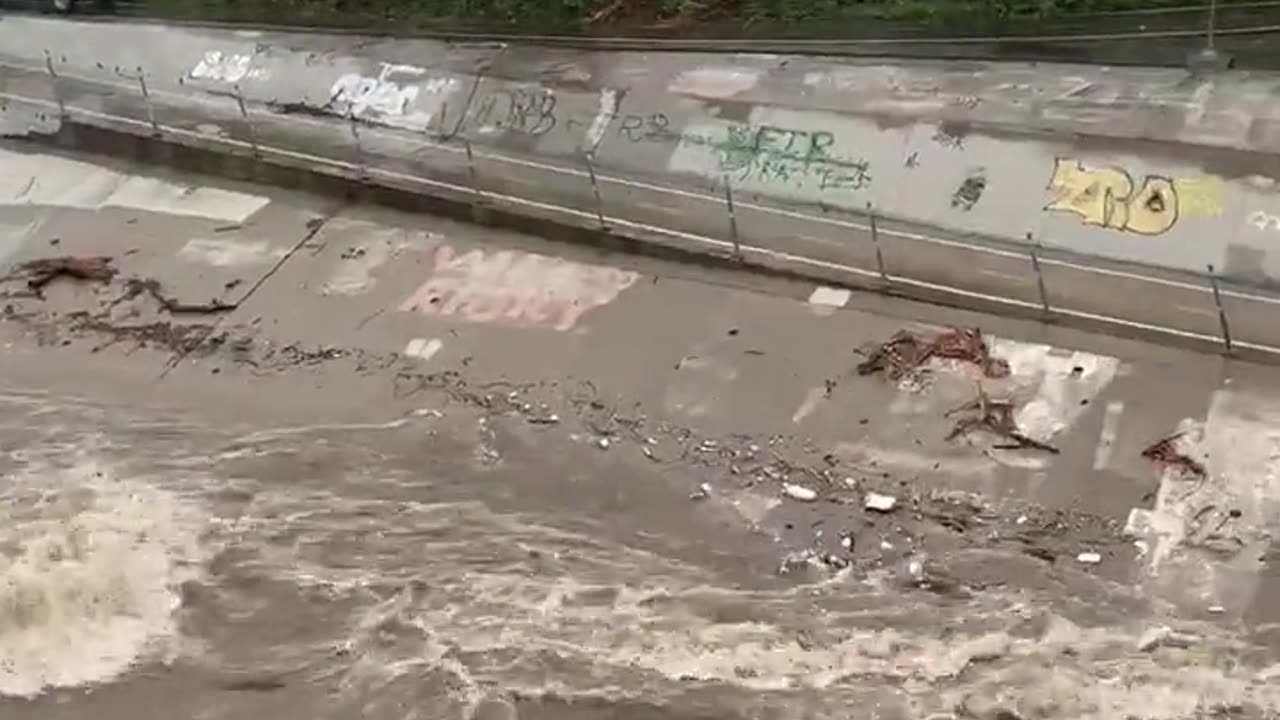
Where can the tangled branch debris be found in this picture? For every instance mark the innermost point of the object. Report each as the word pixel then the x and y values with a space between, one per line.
pixel 1166 453
pixel 178 338
pixel 42 271
pixel 135 287
pixel 994 416
pixel 906 353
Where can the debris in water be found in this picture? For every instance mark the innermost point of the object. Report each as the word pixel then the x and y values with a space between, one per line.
pixel 995 416
pixel 39 273
pixel 1166 453
pixel 702 493
pixel 551 419
pixel 135 287
pixel 879 503
pixel 1165 636
pixel 603 443
pixel 905 353
pixel 799 492
pixel 1089 558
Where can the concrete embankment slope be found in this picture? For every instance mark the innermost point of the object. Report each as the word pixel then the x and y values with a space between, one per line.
pixel 1094 194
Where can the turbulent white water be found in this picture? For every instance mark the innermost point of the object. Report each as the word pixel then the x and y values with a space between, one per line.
pixel 322 558
pixel 89 569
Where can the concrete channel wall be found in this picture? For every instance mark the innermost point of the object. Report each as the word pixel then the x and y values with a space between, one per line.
pixel 1128 184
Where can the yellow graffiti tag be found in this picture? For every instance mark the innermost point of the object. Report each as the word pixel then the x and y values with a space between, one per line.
pixel 1200 196
pixel 1106 197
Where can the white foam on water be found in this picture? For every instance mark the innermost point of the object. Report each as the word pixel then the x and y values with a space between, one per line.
pixel 89 570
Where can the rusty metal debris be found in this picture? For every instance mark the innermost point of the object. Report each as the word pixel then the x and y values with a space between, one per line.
pixel 42 271
pixel 994 416
pixel 1166 453
pixel 906 353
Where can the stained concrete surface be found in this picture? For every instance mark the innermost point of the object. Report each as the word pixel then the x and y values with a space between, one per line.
pixel 665 130
pixel 538 522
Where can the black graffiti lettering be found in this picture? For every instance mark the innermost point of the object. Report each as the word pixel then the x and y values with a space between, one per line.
pixel 658 127
pixel 486 110
pixel 531 112
pixel 819 142
pixel 630 124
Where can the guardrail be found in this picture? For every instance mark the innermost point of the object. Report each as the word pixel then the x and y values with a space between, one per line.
pixel 880 253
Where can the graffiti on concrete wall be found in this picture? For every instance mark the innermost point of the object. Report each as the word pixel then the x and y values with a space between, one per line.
pixel 970 190
pixel 391 97
pixel 1108 197
pixel 767 154
pixel 1264 220
pixel 1200 196
pixel 226 67
pixel 537 111
pixel 513 288
pixel 788 156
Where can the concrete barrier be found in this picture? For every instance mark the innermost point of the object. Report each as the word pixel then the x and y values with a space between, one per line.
pixel 1126 184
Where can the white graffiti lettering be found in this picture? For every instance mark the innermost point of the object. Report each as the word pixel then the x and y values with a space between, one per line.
pixel 1264 221
pixel 387 98
pixel 225 67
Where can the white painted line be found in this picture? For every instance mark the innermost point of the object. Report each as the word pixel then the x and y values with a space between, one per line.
pixel 1003 275
pixel 1110 424
pixel 830 297
pixel 422 348
pixel 809 404
pixel 1197 310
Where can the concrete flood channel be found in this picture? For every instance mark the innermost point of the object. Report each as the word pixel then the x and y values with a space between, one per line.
pixel 270 452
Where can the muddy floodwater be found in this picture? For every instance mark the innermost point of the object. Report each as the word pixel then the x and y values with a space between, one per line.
pixel 464 564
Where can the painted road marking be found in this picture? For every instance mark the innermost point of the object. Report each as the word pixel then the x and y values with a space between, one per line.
pixel 36 179
pixel 515 288
pixel 422 348
pixel 830 297
pixel 1110 424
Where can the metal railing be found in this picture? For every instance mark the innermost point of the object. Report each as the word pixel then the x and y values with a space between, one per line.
pixel 882 232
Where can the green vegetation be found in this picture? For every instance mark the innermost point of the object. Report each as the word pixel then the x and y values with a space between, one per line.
pixel 796 18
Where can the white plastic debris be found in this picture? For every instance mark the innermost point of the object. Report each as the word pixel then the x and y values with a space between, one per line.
pixel 604 443
pixel 799 492
pixel 878 502
pixel 702 493
pixel 1089 558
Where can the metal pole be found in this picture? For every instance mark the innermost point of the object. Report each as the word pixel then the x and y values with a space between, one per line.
pixel 875 242
pixel 1222 312
pixel 244 115
pixel 1213 21
pixel 146 96
pixel 733 218
pixel 355 135
pixel 471 168
pixel 595 188
pixel 1035 264
pixel 57 87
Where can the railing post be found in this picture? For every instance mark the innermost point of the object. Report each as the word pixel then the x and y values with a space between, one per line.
pixel 733 218
pixel 595 188
pixel 1035 265
pixel 1222 311
pixel 57 86
pixel 355 136
pixel 248 124
pixel 146 97
pixel 875 243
